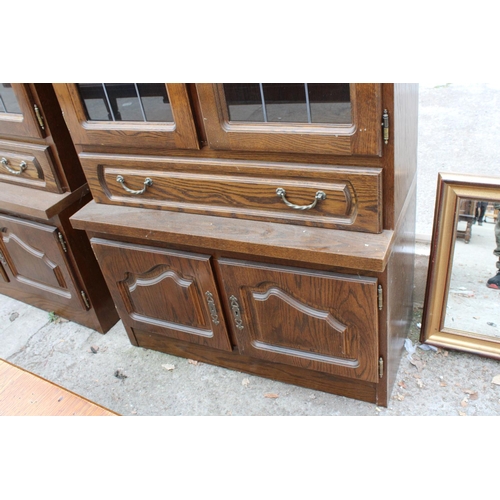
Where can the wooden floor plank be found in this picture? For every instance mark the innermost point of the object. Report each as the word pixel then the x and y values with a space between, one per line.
pixel 25 394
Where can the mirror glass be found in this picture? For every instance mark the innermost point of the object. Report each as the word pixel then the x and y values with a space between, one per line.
pixel 471 305
pixel 461 305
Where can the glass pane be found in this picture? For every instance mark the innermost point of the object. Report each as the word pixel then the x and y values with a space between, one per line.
pixel 155 102
pixel 285 102
pixel 126 102
pixel 94 101
pixel 330 102
pixel 244 102
pixel 8 100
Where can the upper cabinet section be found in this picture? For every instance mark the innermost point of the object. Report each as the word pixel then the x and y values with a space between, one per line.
pixel 339 119
pixel 316 118
pixel 147 115
pixel 19 115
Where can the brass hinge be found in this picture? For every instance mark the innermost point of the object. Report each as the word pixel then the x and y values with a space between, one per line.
pixel 85 299
pixel 385 126
pixel 380 367
pixel 39 117
pixel 380 298
pixel 62 242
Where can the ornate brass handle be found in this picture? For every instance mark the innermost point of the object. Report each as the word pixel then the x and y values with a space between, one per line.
pixel 320 195
pixel 147 182
pixel 213 309
pixel 23 166
pixel 235 307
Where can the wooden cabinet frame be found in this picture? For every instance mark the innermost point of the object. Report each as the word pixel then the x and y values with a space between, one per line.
pixel 178 135
pixel 362 137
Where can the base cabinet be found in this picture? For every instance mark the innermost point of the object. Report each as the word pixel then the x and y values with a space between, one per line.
pixel 46 263
pixel 331 328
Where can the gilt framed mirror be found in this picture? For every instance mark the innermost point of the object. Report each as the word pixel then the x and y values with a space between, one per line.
pixel 461 309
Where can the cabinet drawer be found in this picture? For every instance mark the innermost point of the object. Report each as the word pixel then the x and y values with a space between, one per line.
pixel 28 165
pixel 311 195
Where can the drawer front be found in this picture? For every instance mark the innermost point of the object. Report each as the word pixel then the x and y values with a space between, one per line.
pixel 28 165
pixel 316 320
pixel 322 196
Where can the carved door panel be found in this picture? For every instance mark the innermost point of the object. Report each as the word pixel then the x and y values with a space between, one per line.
pixel 18 113
pixel 163 291
pixel 34 260
pixel 321 321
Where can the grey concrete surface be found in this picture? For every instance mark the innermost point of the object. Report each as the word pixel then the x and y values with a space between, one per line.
pixel 458 132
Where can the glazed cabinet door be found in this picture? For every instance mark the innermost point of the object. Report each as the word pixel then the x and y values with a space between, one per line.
pixel 163 291
pixel 34 262
pixel 143 115
pixel 316 320
pixel 314 118
pixel 19 115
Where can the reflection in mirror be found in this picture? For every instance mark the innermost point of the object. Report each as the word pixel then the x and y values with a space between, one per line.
pixel 463 282
pixel 471 305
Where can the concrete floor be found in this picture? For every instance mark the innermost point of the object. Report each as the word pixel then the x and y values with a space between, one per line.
pixel 452 138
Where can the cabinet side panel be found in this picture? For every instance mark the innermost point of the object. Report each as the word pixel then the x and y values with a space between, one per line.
pixel 405 142
pixel 399 292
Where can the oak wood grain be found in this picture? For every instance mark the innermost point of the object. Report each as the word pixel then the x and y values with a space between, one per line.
pixel 242 189
pixel 331 247
pixel 321 321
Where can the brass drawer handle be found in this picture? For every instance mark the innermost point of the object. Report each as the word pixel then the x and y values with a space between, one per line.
pixel 22 166
pixel 320 195
pixel 147 182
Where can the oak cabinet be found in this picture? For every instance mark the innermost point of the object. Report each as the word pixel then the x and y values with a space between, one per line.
pixel 44 261
pixel 288 215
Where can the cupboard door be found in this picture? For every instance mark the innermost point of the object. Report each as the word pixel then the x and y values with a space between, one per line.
pixel 335 119
pixel 18 114
pixel 163 291
pixel 142 115
pixel 321 321
pixel 34 260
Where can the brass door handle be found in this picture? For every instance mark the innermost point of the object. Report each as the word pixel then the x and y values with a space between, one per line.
pixel 213 309
pixel 22 167
pixel 235 307
pixel 320 195
pixel 147 182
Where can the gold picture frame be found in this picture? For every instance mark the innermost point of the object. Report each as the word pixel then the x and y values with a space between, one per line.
pixel 452 189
